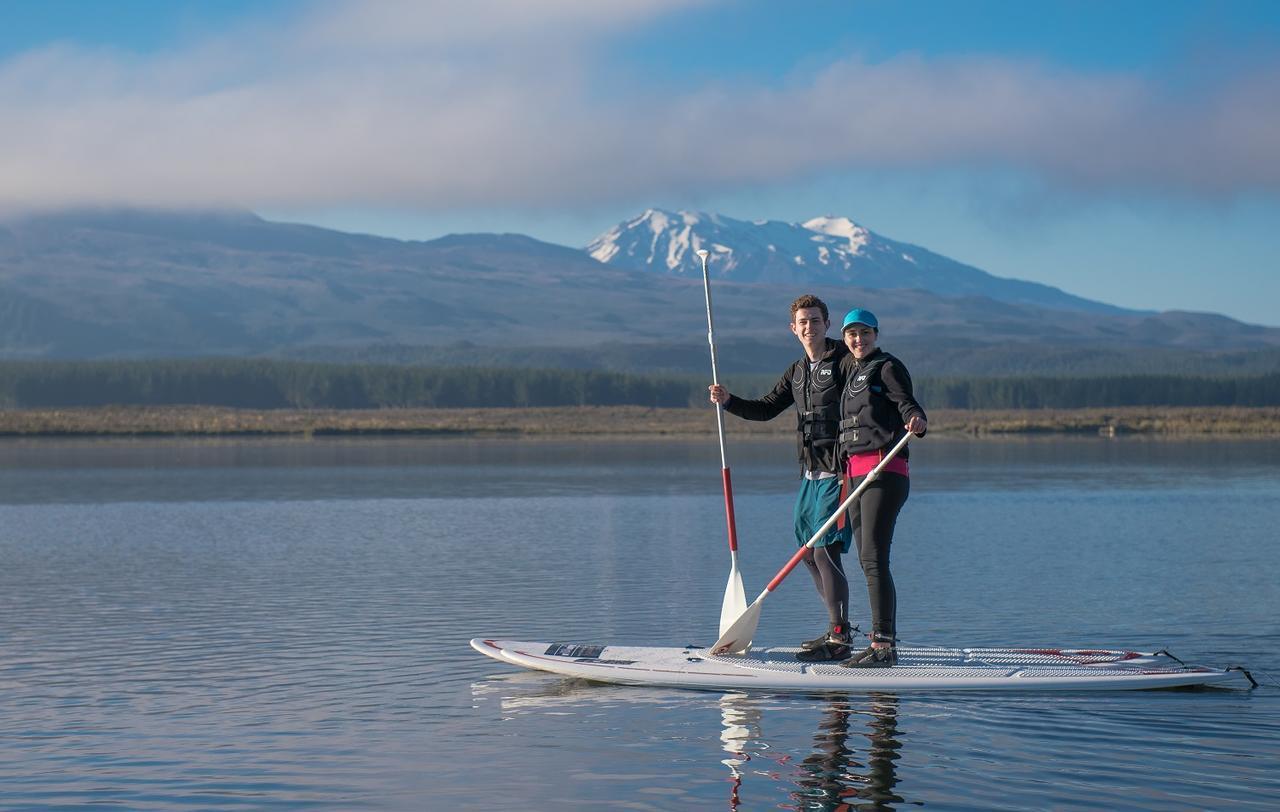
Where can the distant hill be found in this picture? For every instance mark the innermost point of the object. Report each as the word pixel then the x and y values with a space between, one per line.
pixel 133 284
pixel 823 251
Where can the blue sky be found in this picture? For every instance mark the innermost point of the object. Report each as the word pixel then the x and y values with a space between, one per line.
pixel 1128 152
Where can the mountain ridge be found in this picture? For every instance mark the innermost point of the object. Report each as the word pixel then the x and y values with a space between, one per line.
pixel 132 285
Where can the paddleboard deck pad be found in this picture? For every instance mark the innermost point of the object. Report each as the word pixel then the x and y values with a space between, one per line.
pixel 918 668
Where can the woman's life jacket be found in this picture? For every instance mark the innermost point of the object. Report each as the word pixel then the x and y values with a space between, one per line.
pixel 876 402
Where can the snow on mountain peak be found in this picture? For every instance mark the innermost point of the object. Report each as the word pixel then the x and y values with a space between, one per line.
pixel 658 220
pixel 835 226
pixel 825 250
pixel 671 239
pixel 840 227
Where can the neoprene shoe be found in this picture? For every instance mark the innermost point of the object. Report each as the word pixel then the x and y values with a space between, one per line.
pixel 810 645
pixel 835 646
pixel 872 657
pixel 820 640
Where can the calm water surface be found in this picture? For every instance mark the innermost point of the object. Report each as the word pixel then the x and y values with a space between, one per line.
pixel 252 625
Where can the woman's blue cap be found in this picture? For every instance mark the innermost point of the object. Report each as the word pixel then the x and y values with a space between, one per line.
pixel 859 316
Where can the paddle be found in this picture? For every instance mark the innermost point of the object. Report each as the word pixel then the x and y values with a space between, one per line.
pixel 738 637
pixel 735 596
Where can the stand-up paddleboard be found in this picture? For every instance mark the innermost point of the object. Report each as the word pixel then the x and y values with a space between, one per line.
pixel 918 669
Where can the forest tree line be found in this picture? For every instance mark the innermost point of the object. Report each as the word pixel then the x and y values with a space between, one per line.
pixel 272 384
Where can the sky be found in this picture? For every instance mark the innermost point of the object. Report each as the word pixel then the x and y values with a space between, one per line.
pixel 1124 151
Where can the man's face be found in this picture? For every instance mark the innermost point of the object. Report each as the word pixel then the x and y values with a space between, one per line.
pixel 809 326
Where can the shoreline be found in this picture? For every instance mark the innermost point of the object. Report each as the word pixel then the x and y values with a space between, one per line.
pixel 633 421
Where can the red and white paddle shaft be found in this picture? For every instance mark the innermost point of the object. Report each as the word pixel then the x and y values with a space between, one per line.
pixel 735 598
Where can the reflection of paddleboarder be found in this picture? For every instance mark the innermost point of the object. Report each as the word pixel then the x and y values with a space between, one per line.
pixel 832 778
pixel 741 719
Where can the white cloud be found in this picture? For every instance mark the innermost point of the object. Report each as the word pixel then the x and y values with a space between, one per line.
pixel 499 103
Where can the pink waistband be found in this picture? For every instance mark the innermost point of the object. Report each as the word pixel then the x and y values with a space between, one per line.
pixel 861 464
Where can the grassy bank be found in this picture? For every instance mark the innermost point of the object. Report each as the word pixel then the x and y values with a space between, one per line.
pixel 602 420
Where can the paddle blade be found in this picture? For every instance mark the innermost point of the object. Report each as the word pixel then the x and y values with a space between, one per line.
pixel 737 638
pixel 735 599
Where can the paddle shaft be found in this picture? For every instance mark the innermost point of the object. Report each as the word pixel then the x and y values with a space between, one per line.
pixel 835 517
pixel 715 379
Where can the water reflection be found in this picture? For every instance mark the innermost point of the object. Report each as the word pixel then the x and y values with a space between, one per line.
pixel 740 718
pixel 847 762
pixel 838 775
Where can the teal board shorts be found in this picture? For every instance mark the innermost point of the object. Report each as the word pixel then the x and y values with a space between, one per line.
pixel 817 500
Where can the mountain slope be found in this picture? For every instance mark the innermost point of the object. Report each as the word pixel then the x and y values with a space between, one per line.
pixel 118 284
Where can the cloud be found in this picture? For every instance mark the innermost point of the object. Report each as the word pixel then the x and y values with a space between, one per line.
pixel 410 25
pixel 514 104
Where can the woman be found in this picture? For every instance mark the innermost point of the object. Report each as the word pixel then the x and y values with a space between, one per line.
pixel 877 409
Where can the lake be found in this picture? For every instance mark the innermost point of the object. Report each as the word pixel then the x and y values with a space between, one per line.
pixel 284 624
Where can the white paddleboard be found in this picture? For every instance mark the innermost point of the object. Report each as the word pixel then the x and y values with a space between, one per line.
pixel 918 669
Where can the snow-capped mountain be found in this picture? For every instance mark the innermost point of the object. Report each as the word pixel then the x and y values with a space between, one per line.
pixel 822 251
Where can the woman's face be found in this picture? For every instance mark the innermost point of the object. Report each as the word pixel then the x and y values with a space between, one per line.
pixel 860 339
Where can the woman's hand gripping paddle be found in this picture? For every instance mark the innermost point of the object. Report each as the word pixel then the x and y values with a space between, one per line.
pixel 735 596
pixel 738 636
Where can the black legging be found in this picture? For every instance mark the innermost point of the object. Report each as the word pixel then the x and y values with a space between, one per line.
pixel 873 515
pixel 828 576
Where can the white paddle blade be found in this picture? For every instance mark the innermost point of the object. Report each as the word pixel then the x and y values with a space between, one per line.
pixel 737 638
pixel 735 600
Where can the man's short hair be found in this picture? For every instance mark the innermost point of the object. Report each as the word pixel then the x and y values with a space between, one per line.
pixel 809 300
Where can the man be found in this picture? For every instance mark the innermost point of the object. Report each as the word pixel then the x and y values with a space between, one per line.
pixel 813 384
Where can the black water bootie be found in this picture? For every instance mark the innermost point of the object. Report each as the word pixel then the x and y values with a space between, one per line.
pixel 824 638
pixel 817 642
pixel 833 646
pixel 872 657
